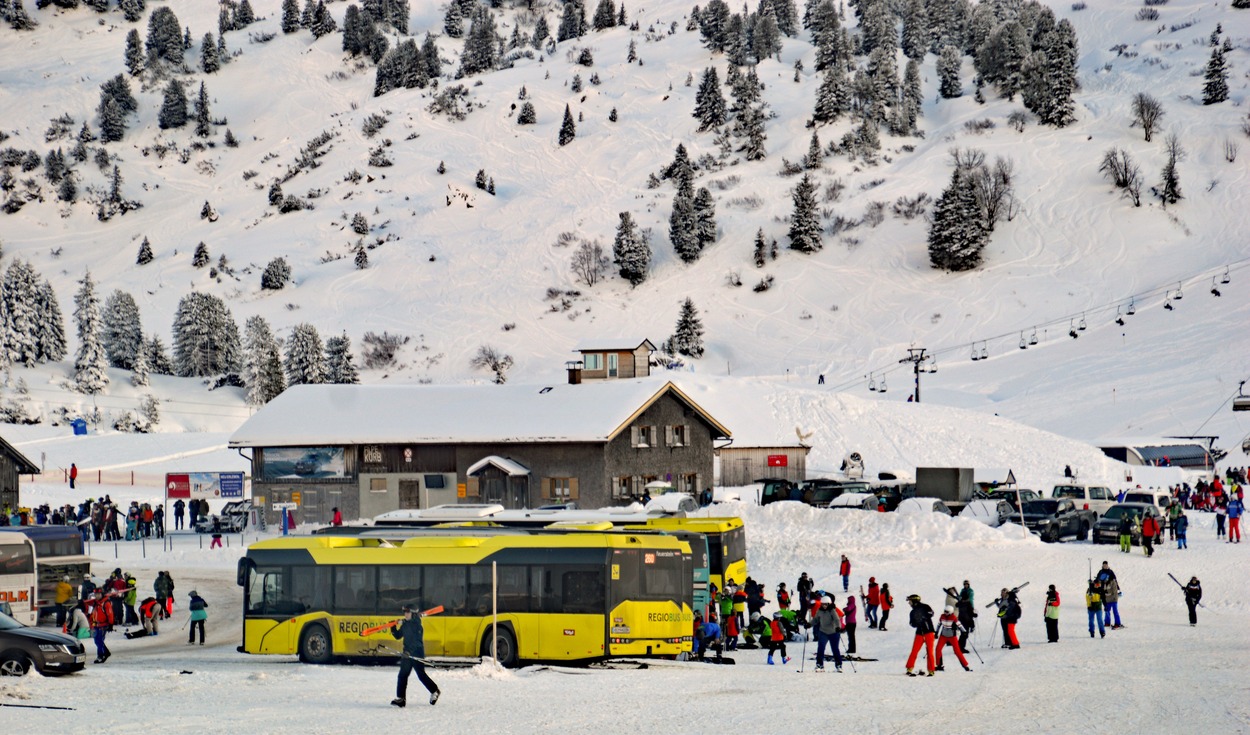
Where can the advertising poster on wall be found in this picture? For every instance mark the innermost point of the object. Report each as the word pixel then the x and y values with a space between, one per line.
pixel 204 485
pixel 303 463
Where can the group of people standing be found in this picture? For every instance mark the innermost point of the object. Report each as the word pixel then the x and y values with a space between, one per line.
pixel 99 609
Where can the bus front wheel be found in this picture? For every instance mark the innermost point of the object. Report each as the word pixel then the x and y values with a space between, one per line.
pixel 505 645
pixel 314 645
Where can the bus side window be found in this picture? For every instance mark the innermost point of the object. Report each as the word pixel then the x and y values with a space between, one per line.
pixel 583 591
pixel 446 585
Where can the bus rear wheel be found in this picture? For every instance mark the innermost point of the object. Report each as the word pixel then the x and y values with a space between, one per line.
pixel 505 645
pixel 315 646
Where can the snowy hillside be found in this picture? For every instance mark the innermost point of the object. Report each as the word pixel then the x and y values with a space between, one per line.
pixel 455 278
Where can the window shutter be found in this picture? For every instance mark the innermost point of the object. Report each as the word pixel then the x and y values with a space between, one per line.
pixel 633 436
pixel 655 437
pixel 685 435
pixel 573 488
pixel 668 436
pixel 546 487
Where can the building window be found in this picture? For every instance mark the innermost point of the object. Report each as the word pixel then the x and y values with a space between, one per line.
pixel 643 436
pixel 377 484
pixel 678 435
pixel 560 488
pixel 592 361
pixel 621 487
pixel 613 365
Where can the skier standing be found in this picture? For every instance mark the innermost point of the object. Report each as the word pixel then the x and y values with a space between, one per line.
pixel 101 623
pixel 1193 595
pixel 1221 510
pixel 1149 529
pixel 845 570
pixel 948 626
pixel 1093 604
pixel 804 588
pixel 1235 510
pixel 411 632
pixel 1182 531
pixel 1111 601
pixel 826 622
pixel 1125 528
pixel 777 640
pixel 1051 615
pixel 199 613
pixel 921 619
pixel 872 601
pixel 887 602
pixel 850 622
pixel 967 618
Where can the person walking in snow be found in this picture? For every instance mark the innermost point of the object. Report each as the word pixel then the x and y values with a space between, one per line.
pixel 1235 510
pixel 1051 615
pixel 845 570
pixel 1093 605
pixel 1149 529
pixel 199 613
pixel 887 603
pixel 777 639
pixel 1125 527
pixel 967 617
pixel 921 618
pixel 872 601
pixel 947 629
pixel 101 623
pixel 411 632
pixel 1182 531
pixel 1193 595
pixel 826 623
pixel 849 622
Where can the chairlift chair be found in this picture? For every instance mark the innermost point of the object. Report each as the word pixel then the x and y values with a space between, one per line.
pixel 882 388
pixel 1072 330
pixel 1023 344
pixel 1178 295
pixel 975 355
pixel 1119 318
pixel 1226 278
pixel 872 383
pixel 1081 326
pixel 1167 301
pixel 1214 291
pixel 985 354
pixel 1132 307
pixel 1033 338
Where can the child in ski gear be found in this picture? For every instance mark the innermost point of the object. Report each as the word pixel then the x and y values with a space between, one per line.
pixel 1235 510
pixel 411 632
pixel 921 619
pixel 967 618
pixel 849 625
pixel 783 597
pixel 887 602
pixel 1193 595
pixel 1093 604
pixel 777 640
pixel 845 570
pixel 1149 529
pixel 871 602
pixel 199 613
pixel 1181 524
pixel 948 626
pixel 1051 615
pixel 826 623
pixel 131 595
pixel 101 622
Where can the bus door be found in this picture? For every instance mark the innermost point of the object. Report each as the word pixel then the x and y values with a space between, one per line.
pixel 17 577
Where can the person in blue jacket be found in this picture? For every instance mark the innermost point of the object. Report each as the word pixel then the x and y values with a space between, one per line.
pixel 709 636
pixel 412 633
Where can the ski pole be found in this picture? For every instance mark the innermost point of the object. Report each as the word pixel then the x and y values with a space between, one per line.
pixel 974 650
pixel 803 659
pixel 851 661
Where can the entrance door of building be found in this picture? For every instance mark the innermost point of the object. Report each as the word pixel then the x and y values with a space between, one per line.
pixel 310 505
pixel 409 494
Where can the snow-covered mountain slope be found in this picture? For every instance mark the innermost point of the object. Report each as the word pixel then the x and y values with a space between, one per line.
pixel 455 278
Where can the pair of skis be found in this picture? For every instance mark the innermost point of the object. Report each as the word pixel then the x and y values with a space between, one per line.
pixel 1178 584
pixel 1012 591
pixel 392 623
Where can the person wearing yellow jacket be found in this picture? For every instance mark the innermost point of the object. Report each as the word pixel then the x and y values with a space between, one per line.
pixel 64 593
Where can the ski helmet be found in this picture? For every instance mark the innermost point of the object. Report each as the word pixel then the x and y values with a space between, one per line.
pixel 828 601
pixel 755 616
pixel 777 615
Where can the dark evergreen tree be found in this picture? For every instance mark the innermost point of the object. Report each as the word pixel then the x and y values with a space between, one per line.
pixel 765 37
pixel 352 42
pixel 480 50
pixel 122 335
pixel 307 15
pixel 915 30
pixel 948 64
pixel 527 115
pixel 206 337
pixel 201 257
pixel 541 32
pixel 90 362
pixel 67 190
pixel 713 23
pixel 340 369
pixel 683 224
pixel 429 54
pixel 165 39
pixel 1215 86
pixel 453 21
pixel 787 16
pixel 709 105
pixel 815 154
pixel 262 368
pixel 704 218
pixel 244 16
pixel 132 10
pixel 805 230
pixel 305 357
pixel 158 359
pixel 630 251
pixel 203 120
pixel 112 120
pixel 761 247
pixel 568 131
pixel 605 15
pixel 362 258
pixel 145 253
pixel 737 44
pixel 753 127
pixel 833 96
pixel 687 338
pixel 210 62
pixel 134 53
pixel 573 21
pixel 49 328
pixel 322 22
pixel 290 16
pixel 119 90
pixel 957 233
pixel 174 108
pixel 276 276
pixel 1049 76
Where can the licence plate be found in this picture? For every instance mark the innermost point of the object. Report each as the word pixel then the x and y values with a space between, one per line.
pixel 80 659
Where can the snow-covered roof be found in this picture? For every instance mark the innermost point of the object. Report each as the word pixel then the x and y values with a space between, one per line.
pixel 330 415
pixel 613 343
pixel 508 466
pixel 23 463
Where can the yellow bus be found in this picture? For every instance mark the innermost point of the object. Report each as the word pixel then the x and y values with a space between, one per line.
pixel 560 597
pixel 726 544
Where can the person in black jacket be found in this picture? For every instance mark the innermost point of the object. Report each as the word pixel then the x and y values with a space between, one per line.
pixel 1193 595
pixel 967 618
pixel 921 619
pixel 413 635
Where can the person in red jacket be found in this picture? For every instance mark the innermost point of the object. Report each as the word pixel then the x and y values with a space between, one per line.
pixel 887 602
pixel 338 518
pixel 845 571
pixel 101 622
pixel 872 601
pixel 1149 529
pixel 777 640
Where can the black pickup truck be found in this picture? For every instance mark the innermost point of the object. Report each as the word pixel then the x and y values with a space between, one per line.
pixel 1055 518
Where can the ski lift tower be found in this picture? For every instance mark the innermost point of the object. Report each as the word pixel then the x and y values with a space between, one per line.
pixel 920 363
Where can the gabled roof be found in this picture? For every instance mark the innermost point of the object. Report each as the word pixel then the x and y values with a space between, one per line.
pixel 335 415
pixel 608 344
pixel 24 465
pixel 509 467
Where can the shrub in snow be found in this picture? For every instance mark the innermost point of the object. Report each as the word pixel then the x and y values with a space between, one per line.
pixel 276 276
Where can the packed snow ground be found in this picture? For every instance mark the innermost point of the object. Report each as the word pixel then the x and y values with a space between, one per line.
pixel 1155 675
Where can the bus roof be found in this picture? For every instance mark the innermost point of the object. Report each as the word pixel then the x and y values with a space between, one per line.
pixel 487 539
pixel 702 525
pixel 498 514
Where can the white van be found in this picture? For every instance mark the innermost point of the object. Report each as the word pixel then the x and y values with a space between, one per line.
pixel 1097 498
pixel 1160 499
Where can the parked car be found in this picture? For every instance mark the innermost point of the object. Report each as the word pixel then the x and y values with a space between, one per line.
pixel 923 505
pixel 672 501
pixel 1097 498
pixel 232 518
pixel 49 652
pixel 1107 529
pixel 992 513
pixel 1053 519
pixel 819 492
pixel 1014 496
pixel 857 501
pixel 777 489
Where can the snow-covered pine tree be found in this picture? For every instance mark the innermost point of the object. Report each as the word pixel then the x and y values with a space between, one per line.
pixel 340 369
pixel 322 22
pixel 173 112
pixel 362 258
pixel 121 331
pixel 210 62
pixel 1049 77
pixel 605 15
pixel 805 230
pixel 737 42
pixel 139 370
pixel 709 103
pixel 572 21
pixel 244 16
pixel 262 364
pixel 158 359
pixel 683 223
pixel 787 17
pixel 1215 84
pixel 145 253
pixel 815 153
pixel 203 119
pixel 453 21
pixel 49 326
pixel 480 51
pixel 568 131
pixel 833 96
pixel 206 337
pixel 112 120
pixel 765 37
pixel 753 125
pixel 527 115
pixel 164 42
pixel 542 32
pixel 760 250
pixel 713 22
pixel 950 59
pixel 630 252
pixel 704 218
pixel 132 10
pixel 18 331
pixel 687 337
pixel 915 30
pixel 957 235
pixel 305 356
pixel 352 33
pixel 134 53
pixel 90 362
pixel 290 16
pixel 277 274
pixel 201 257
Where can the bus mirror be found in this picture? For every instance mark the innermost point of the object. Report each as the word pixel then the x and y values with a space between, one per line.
pixel 244 565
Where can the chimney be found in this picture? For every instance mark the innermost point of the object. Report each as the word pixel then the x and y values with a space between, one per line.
pixel 575 371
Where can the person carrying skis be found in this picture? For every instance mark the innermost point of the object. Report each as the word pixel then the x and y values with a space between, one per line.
pixel 967 617
pixel 849 612
pixel 412 633
pixel 1193 595
pixel 804 588
pixel 1051 615
pixel 921 619
pixel 826 622
pixel 1182 530
pixel 872 601
pixel 845 570
pixel 1093 604
pixel 947 628
pixel 1010 617
pixel 1149 529
pixel 777 640
pixel 887 602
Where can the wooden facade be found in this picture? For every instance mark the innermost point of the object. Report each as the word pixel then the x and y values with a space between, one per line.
pixel 611 360
pixel 13 464
pixel 738 466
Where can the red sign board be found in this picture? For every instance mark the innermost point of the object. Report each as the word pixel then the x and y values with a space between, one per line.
pixel 777 460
